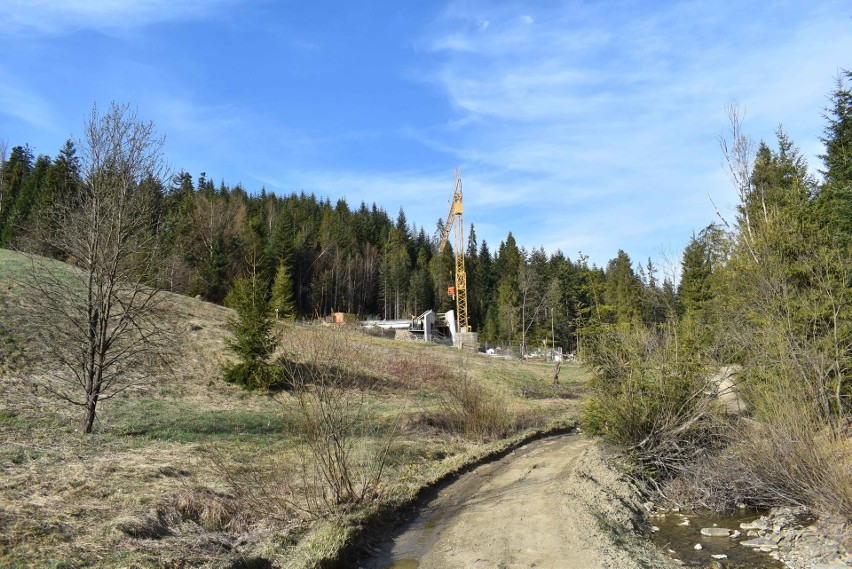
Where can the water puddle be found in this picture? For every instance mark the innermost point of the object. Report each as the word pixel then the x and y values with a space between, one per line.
pixel 424 530
pixel 680 533
pixel 402 564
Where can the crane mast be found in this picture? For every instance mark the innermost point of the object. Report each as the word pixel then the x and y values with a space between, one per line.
pixel 455 221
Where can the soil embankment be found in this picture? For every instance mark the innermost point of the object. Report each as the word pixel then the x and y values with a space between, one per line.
pixel 552 503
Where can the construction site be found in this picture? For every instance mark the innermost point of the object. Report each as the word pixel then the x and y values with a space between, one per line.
pixel 450 327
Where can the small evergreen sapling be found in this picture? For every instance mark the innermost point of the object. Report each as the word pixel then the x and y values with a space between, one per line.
pixel 253 338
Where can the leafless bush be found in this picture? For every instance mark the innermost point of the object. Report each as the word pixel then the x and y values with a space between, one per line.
pixel 772 465
pixel 346 445
pixel 410 373
pixel 796 458
pixel 265 489
pixel 339 448
pixel 470 410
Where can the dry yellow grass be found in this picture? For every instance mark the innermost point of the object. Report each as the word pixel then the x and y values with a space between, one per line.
pixel 154 485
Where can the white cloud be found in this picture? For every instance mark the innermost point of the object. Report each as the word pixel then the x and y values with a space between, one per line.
pixel 61 16
pixel 603 122
pixel 21 102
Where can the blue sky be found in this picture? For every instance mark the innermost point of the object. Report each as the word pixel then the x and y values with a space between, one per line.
pixel 580 126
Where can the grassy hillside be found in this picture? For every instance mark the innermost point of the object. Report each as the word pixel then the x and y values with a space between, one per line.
pixel 185 469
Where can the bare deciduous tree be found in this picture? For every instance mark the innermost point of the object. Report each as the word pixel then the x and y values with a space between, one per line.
pixel 98 320
pixel 738 153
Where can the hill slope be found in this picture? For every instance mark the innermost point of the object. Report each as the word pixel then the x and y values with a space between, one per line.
pixel 187 470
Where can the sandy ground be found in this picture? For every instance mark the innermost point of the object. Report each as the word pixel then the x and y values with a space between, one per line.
pixel 553 503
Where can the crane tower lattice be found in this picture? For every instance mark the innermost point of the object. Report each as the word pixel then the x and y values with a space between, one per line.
pixel 455 221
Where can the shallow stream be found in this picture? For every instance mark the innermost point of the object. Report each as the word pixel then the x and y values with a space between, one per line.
pixel 679 534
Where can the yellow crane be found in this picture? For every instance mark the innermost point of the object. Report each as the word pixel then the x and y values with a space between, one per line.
pixel 454 220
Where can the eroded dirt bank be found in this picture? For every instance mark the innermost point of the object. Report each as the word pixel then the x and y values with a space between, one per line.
pixel 553 503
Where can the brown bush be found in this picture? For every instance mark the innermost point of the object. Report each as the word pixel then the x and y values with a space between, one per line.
pixel 412 374
pixel 795 458
pixel 792 459
pixel 469 410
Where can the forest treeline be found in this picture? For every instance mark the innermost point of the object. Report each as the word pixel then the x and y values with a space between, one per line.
pixel 363 261
pixel 335 258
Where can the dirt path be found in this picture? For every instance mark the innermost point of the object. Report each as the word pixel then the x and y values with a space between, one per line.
pixel 553 503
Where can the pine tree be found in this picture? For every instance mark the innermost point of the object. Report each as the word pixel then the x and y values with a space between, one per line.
pixel 282 304
pixel 834 202
pixel 253 341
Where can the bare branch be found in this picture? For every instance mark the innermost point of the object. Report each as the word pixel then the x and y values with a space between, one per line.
pixel 97 317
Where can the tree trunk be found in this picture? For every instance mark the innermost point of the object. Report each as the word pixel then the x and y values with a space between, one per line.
pixel 89 420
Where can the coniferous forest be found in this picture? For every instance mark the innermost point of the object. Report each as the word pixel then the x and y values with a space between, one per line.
pixel 336 257
pixel 362 260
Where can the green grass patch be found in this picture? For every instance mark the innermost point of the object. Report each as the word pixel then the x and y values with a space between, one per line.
pixel 171 420
pixel 13 266
pixel 26 421
pixel 532 379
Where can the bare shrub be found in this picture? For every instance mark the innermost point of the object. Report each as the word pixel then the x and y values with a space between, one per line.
pixel 339 443
pixel 346 444
pixel 266 488
pixel 470 410
pixel 410 373
pixel 772 465
pixel 797 458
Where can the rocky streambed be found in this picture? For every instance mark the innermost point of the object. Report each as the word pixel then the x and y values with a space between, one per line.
pixel 783 537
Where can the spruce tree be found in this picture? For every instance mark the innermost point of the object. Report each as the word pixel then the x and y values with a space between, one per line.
pixel 253 340
pixel 694 287
pixel 835 198
pixel 282 304
pixel 623 289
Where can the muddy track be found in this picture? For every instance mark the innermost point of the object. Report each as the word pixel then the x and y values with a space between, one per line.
pixel 552 503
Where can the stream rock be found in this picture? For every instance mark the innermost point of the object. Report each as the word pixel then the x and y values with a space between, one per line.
pixel 801 541
pixel 794 536
pixel 760 543
pixel 716 532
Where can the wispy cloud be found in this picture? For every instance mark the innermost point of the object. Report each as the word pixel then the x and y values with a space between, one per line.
pixel 61 16
pixel 610 117
pixel 21 102
pixel 226 137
